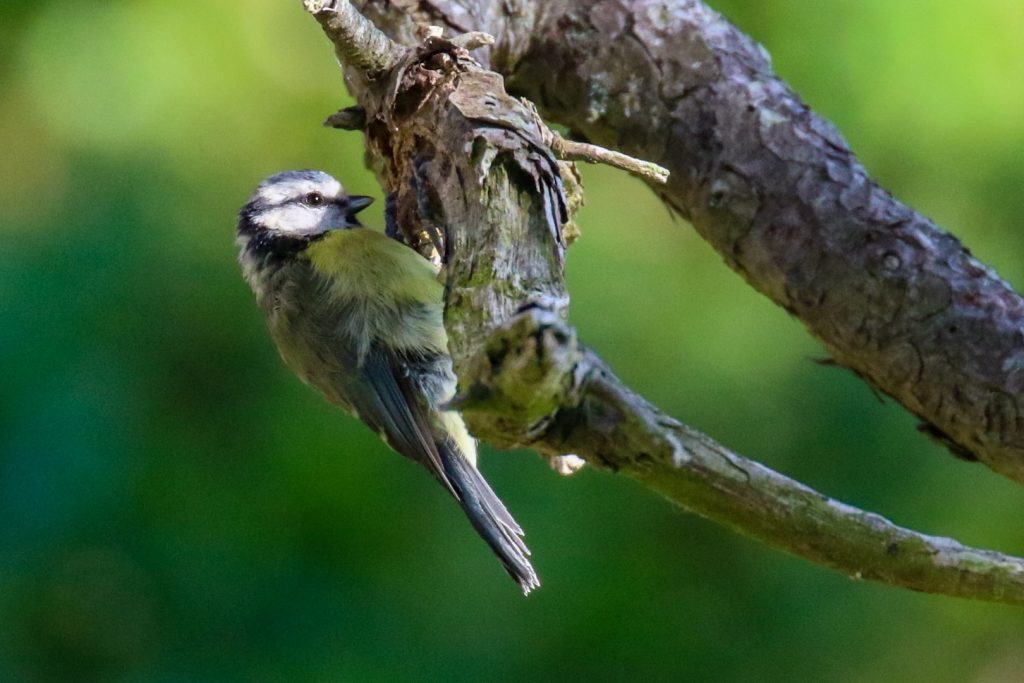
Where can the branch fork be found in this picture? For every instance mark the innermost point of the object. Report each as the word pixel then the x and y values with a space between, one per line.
pixel 462 158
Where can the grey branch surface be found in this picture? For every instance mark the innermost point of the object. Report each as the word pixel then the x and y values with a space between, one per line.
pixel 775 189
pixel 473 183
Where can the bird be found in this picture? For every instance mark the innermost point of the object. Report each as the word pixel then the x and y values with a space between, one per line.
pixel 358 316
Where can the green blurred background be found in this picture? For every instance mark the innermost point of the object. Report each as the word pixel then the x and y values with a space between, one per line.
pixel 175 506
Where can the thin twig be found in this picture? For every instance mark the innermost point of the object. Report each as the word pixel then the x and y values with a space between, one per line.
pixel 570 150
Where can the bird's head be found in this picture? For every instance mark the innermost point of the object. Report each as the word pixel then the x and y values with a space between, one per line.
pixel 291 209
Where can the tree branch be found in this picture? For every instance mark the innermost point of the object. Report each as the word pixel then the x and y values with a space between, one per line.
pixel 572 150
pixel 614 428
pixel 471 179
pixel 775 189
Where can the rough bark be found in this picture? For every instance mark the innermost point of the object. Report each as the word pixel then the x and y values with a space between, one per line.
pixel 775 189
pixel 473 183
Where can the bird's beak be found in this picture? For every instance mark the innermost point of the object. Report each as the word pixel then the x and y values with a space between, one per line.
pixel 357 203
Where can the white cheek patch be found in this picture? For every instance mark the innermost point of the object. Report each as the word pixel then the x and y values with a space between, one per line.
pixel 294 219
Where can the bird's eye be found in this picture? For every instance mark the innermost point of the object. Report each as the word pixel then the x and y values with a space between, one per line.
pixel 313 199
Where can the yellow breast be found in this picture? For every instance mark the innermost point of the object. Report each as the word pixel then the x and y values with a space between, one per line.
pixel 387 276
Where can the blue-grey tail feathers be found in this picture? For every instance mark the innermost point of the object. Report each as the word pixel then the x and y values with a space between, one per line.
pixel 489 517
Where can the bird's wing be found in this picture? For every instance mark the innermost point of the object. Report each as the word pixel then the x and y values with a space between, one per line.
pixel 383 399
pixel 489 517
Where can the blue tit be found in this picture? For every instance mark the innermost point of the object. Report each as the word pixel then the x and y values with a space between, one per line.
pixel 358 316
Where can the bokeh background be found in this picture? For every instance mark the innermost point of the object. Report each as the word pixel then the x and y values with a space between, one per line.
pixel 175 506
